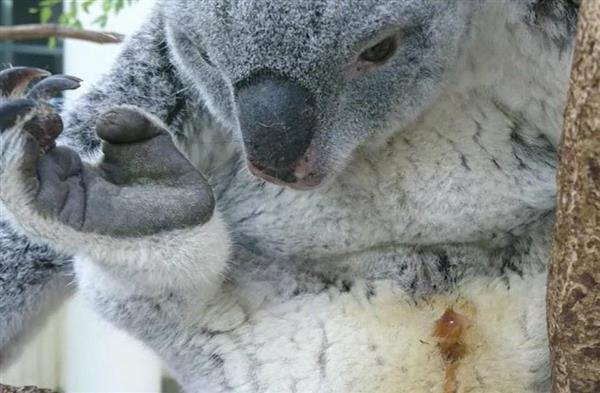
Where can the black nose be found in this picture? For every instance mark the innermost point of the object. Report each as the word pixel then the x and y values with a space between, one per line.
pixel 277 119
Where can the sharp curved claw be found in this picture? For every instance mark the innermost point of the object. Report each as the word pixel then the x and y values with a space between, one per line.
pixel 14 81
pixel 11 111
pixel 52 86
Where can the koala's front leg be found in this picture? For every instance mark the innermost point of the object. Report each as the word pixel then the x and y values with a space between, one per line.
pixel 140 210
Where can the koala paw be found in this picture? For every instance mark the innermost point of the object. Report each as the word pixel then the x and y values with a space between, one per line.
pixel 29 127
pixel 142 184
pixel 141 187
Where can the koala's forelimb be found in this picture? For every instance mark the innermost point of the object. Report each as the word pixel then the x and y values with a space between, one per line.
pixel 140 203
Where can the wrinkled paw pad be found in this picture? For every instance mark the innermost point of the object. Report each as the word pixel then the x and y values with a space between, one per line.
pixel 24 96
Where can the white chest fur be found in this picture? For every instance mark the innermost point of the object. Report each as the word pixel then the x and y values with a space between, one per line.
pixel 346 342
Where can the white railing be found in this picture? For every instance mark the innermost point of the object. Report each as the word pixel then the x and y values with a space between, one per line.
pixel 40 363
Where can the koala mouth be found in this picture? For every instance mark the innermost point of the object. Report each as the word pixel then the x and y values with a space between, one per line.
pixel 301 177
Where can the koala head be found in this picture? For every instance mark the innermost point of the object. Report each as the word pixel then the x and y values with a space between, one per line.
pixel 304 83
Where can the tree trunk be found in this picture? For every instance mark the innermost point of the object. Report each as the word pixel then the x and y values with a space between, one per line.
pixel 574 276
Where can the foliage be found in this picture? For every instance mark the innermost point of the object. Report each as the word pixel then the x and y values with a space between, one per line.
pixel 71 13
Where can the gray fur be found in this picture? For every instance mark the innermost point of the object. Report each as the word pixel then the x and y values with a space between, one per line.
pixel 440 167
pixel 33 281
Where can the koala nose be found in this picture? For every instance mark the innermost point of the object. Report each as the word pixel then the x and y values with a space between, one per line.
pixel 277 118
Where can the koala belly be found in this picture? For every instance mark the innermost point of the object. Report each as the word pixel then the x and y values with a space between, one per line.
pixel 488 336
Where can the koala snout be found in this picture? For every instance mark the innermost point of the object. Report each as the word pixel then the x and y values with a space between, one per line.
pixel 277 118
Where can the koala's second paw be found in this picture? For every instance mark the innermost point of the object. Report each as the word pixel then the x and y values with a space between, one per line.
pixel 141 186
pixel 145 178
pixel 141 212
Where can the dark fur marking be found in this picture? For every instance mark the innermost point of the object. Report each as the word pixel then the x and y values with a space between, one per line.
pixel 370 291
pixel 509 265
pixel 444 264
pixel 254 214
pixel 521 146
pixel 168 69
pixel 463 161
pixel 562 13
pixel 515 134
pixel 496 163
pixel 346 286
pixel 216 360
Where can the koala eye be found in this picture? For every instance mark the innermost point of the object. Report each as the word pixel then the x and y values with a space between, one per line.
pixel 381 51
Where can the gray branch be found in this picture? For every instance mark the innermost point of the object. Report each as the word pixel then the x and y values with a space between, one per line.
pixel 51 30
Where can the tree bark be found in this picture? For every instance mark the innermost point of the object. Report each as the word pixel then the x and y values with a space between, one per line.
pixel 49 30
pixel 573 302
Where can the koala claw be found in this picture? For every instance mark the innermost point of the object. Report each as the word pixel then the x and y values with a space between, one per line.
pixel 44 124
pixel 12 111
pixel 14 81
pixel 53 85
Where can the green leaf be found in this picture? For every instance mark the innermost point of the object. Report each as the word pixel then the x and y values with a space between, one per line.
pixel 45 14
pixel 106 5
pixel 86 5
pixel 49 3
pixel 70 15
pixel 73 7
pixel 101 20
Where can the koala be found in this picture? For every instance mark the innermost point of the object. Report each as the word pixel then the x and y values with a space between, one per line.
pixel 300 197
